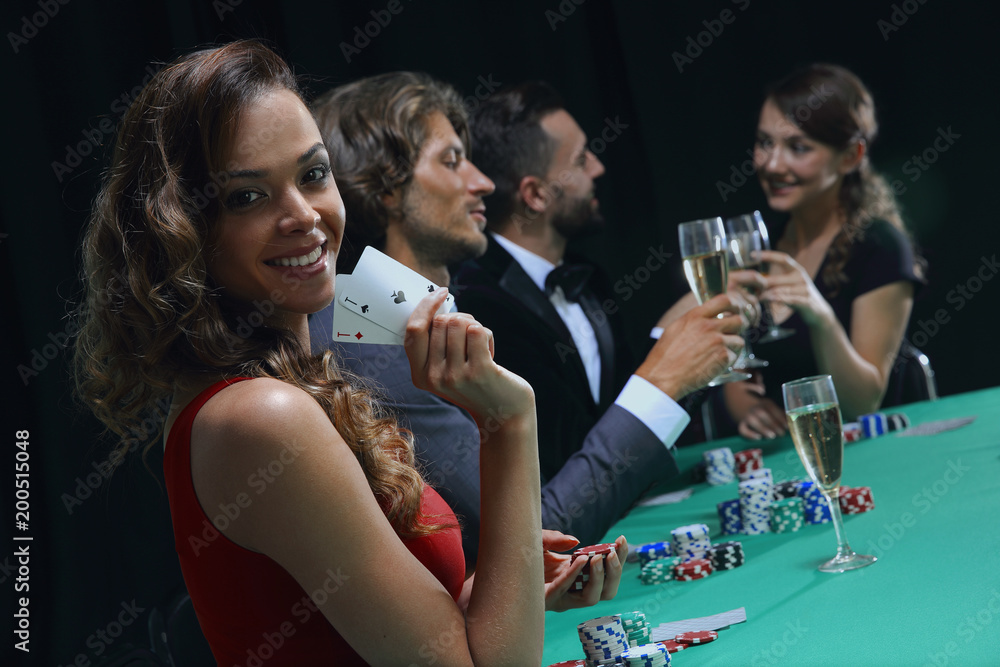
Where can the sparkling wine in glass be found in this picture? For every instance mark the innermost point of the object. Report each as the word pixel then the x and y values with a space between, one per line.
pixel 755 221
pixel 743 252
pixel 814 420
pixel 703 247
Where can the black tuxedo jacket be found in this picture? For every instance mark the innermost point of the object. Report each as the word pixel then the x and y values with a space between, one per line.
pixel 532 341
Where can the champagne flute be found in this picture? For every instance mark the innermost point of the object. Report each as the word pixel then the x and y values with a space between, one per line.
pixel 703 247
pixel 755 221
pixel 814 419
pixel 743 253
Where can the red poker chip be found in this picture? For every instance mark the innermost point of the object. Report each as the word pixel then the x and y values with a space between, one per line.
pixel 569 663
pixel 672 646
pixel 596 550
pixel 694 566
pixel 700 637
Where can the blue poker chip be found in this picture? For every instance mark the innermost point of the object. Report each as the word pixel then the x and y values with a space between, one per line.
pixel 874 425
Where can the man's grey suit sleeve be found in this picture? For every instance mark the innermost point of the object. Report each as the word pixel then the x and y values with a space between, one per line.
pixel 619 460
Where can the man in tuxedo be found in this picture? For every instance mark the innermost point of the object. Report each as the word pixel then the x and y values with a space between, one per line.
pixel 400 149
pixel 555 320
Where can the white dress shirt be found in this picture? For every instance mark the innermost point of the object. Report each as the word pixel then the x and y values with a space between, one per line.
pixel 660 413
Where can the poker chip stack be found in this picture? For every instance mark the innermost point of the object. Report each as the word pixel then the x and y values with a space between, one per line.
pixel 696 568
pixel 855 500
pixel 786 515
pixel 646 655
pixel 671 645
pixel 659 571
pixel 597 550
pixel 726 555
pixel 691 541
pixel 697 637
pixel 755 498
pixel 652 551
pixel 874 425
pixel 636 628
pixel 757 473
pixel 603 639
pixel 787 489
pixel 814 504
pixel 898 421
pixel 852 432
pixel 720 466
pixel 748 459
pixel 729 515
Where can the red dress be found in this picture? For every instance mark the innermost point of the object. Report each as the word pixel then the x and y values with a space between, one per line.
pixel 250 608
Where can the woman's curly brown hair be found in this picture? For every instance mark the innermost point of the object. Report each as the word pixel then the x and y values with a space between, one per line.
pixel 831 105
pixel 151 315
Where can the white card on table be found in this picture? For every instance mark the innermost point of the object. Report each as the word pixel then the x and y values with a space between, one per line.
pixel 666 631
pixel 349 326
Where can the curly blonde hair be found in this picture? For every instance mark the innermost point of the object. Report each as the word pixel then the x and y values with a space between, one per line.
pixel 153 318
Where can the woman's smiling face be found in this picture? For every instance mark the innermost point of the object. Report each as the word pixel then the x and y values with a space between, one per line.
pixel 281 221
pixel 793 169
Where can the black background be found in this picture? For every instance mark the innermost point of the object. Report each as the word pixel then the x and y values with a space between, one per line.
pixel 682 132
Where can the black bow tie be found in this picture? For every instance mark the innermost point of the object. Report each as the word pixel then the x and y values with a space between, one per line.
pixel 570 277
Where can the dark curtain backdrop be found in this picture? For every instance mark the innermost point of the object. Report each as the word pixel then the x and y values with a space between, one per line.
pixel 668 90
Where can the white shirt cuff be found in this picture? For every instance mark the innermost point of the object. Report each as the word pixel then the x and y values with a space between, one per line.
pixel 656 410
pixel 656 332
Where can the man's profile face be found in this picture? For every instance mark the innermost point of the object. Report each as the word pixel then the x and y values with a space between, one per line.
pixel 571 176
pixel 443 215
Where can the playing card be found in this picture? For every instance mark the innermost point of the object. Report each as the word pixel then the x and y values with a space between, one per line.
pixel 385 292
pixel 717 622
pixel 352 327
pixel 930 428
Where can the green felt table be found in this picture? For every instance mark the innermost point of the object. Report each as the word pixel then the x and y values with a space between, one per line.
pixel 933 597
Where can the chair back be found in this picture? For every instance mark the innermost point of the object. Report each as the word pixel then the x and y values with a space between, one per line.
pixel 911 378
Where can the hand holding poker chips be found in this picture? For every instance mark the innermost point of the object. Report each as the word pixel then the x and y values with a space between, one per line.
pixel 602 550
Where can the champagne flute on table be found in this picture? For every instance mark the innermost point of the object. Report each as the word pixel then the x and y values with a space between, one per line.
pixel 774 332
pixel 743 252
pixel 813 415
pixel 703 247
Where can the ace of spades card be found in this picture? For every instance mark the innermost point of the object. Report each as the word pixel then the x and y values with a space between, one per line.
pixel 374 302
